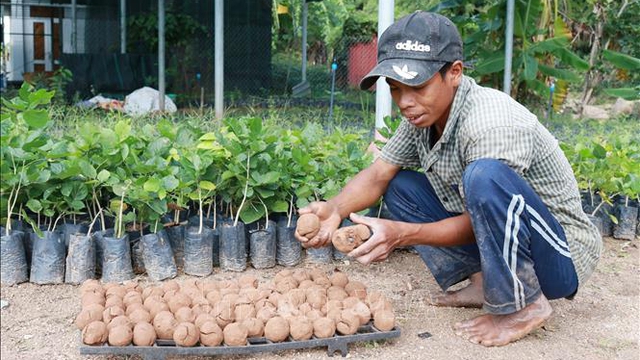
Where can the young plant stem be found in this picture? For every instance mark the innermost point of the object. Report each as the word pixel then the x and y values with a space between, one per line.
pixel 93 222
pixel 380 208
pixel 266 214
pixel 176 217
pixel 290 212
pixel 55 223
pixel 96 202
pixel 244 196
pixel 200 208
pixel 120 211
pixel 214 213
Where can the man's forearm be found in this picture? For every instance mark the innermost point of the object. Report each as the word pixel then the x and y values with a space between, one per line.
pixel 456 230
pixel 364 189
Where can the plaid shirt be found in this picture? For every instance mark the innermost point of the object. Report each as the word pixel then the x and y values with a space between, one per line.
pixel 486 123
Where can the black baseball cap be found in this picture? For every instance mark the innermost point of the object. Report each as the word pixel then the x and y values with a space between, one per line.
pixel 414 48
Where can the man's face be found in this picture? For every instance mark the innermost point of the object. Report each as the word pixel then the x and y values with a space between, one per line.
pixel 427 104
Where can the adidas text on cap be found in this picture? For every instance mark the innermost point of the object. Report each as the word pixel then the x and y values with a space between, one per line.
pixel 414 48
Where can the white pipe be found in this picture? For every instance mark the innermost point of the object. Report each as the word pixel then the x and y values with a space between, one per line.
pixel 305 12
pixel 123 26
pixel 508 48
pixel 161 65
pixel 74 26
pixel 218 87
pixel 383 95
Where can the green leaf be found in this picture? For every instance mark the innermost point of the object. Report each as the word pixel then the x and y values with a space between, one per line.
pixel 279 206
pixel 122 129
pixel 625 93
pixel 34 205
pixel 170 182
pixel 599 151
pixel 36 119
pixel 620 60
pixel 207 185
pixel 151 185
pixel 530 67
pixel 492 65
pixel 559 73
pixel 251 214
pixel 103 175
pixel 570 58
pixel 87 169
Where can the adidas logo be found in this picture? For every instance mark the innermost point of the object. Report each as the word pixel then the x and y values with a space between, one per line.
pixel 415 46
pixel 404 72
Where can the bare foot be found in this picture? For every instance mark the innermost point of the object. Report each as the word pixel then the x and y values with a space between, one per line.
pixel 498 330
pixel 470 296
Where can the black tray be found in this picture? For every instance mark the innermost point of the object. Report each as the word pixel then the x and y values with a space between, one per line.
pixel 163 348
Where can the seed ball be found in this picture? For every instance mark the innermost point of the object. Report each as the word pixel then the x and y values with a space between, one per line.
pixel 120 335
pixel 301 328
pixel 300 275
pixel 186 334
pixel 255 327
pixel 132 297
pixel 140 315
pixel 91 285
pixel 348 323
pixel 350 237
pixel 179 300
pixel 384 320
pixel 119 321
pixel 235 334
pixel 357 289
pixel 381 305
pixel 89 314
pixel 144 334
pixel 184 314
pixel 134 307
pixel 170 285
pixel 308 225
pixel 90 298
pixel 116 290
pixel 111 312
pixel 114 301
pixel 276 329
pixel 152 291
pixel 164 323
pixel 95 333
pixel 248 281
pixel 339 279
pixel 324 327
pixel 210 334
pixel 203 318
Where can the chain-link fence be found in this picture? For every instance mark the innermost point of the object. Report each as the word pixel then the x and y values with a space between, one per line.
pixel 110 47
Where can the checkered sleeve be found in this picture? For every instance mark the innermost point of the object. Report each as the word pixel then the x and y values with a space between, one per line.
pixel 401 149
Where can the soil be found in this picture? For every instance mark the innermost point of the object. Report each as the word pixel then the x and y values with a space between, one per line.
pixel 600 323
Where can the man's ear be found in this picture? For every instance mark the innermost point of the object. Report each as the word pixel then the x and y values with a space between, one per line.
pixel 455 72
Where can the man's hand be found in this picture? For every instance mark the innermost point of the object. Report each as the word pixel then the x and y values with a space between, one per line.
pixel 386 237
pixel 329 221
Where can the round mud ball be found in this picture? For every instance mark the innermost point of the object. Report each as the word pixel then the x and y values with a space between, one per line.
pixel 120 335
pixel 184 314
pixel 117 290
pixel 118 321
pixel 165 324
pixel 308 225
pixel 89 314
pixel 350 237
pixel 384 320
pixel 132 297
pixel 95 333
pixel 265 313
pixel 276 329
pixel 133 286
pixel 179 300
pixel 300 275
pixel 170 285
pixel 339 279
pixel 348 323
pixel 224 313
pixel 357 289
pixel 314 314
pixel 152 290
pixel 336 293
pixel 300 328
pixel 381 305
pixel 186 334
pixel 324 327
pixel 133 308
pixel 362 311
pixel 246 281
pixel 140 315
pixel 305 284
pixel 210 334
pixel 235 334
pixel 284 273
pixel 255 327
pixel 203 318
pixel 90 298
pixel 114 301
pixel 286 284
pixel 91 285
pixel 157 307
pixel 144 334
pixel 111 312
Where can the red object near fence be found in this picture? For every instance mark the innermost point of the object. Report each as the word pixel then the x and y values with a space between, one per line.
pixel 362 58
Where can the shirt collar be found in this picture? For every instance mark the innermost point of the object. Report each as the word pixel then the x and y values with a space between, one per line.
pixel 463 89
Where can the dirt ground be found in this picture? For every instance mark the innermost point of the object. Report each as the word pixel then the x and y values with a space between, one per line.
pixel 602 322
